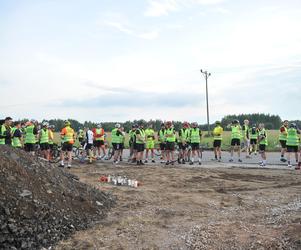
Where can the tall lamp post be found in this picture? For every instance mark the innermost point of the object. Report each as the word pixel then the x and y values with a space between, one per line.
pixel 206 75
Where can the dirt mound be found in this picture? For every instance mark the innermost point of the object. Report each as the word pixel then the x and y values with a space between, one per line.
pixel 41 204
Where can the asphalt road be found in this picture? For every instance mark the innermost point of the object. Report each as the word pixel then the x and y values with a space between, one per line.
pixel 273 160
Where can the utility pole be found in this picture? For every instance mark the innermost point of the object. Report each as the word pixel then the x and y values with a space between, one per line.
pixel 206 75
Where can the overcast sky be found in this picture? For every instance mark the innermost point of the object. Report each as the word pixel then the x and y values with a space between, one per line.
pixel 115 60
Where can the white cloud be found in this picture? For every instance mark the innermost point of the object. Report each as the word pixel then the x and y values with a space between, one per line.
pixel 120 27
pixel 150 35
pixel 164 7
pixel 161 8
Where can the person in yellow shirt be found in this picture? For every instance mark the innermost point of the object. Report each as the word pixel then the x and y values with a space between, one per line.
pixel 68 138
pixel 217 140
pixel 150 142
pixel 51 140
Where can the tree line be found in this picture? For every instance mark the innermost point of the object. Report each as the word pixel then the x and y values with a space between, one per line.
pixel 270 121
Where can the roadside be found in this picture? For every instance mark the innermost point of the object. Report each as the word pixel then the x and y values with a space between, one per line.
pixel 218 207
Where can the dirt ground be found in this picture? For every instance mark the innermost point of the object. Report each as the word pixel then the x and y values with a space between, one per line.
pixel 196 208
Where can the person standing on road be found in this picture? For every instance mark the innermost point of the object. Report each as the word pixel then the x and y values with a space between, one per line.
pixel 283 138
pixel 68 137
pixel 150 143
pixel 51 140
pixel 17 135
pixel 235 139
pixel 44 140
pixel 99 141
pixel 31 132
pixel 263 142
pixel 183 142
pixel 81 136
pixel 217 141
pixel 140 143
pixel 5 133
pixel 170 137
pixel 253 132
pixel 195 140
pixel 162 142
pixel 89 144
pixel 122 143
pixel 292 143
pixel 116 142
pixel 132 143
pixel 246 137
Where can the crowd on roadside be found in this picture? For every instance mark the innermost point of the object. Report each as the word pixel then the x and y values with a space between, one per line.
pixel 188 139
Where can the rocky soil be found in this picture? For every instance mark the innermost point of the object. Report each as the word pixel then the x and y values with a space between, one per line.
pixel 41 204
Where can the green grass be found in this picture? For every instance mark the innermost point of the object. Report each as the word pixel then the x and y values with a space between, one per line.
pixel 273 144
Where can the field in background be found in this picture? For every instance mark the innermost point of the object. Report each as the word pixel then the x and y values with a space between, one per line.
pixel 206 141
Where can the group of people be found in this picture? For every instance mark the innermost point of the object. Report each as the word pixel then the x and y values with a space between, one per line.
pixel 188 139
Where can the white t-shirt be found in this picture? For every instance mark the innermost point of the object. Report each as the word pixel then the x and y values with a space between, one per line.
pixel 89 137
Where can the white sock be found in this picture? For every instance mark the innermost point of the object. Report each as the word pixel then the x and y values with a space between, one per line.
pixel 62 163
pixel 192 159
pixel 264 162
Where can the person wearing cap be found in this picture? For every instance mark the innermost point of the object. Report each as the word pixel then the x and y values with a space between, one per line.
pixel 246 137
pixel 183 142
pixel 283 138
pixel 5 133
pixel 253 133
pixel 170 137
pixel 292 143
pixel 263 143
pixel 44 140
pixel 99 141
pixel 116 142
pixel 17 135
pixel 30 132
pixel 235 139
pixel 217 140
pixel 150 142
pixel 132 143
pixel 140 143
pixel 67 137
pixel 162 142
pixel 195 140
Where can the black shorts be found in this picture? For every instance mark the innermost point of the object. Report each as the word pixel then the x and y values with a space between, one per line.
pixel 253 141
pixel 217 143
pixel 121 146
pixel 44 146
pixel 50 146
pixel 162 146
pixel 88 146
pixel 116 146
pixel 262 147
pixel 292 149
pixel 98 144
pixel 67 147
pixel 195 146
pixel 29 147
pixel 235 142
pixel 283 143
pixel 139 147
pixel 170 146
pixel 183 146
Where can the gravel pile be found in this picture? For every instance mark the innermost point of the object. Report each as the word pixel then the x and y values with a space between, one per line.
pixel 41 204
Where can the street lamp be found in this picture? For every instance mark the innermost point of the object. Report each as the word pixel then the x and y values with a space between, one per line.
pixel 206 75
